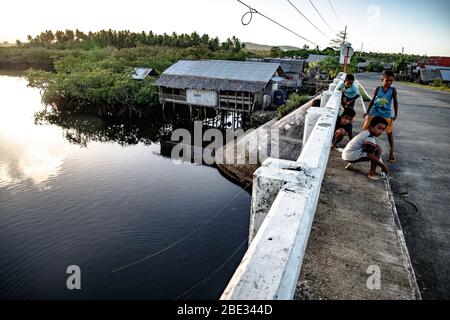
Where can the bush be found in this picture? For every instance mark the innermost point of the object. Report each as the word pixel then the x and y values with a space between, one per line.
pixel 375 67
pixel 295 101
pixel 99 80
pixel 438 83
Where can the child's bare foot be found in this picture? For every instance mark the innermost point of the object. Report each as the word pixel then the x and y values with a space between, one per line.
pixel 374 176
pixel 392 158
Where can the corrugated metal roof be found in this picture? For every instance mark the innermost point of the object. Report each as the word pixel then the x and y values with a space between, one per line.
pixel 316 58
pixel 289 65
pixel 430 67
pixel 219 75
pixel 445 74
pixel 430 75
pixel 141 73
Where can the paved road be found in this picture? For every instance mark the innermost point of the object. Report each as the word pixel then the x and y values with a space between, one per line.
pixel 421 181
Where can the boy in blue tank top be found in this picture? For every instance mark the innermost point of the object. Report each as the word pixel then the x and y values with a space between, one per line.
pixel 381 106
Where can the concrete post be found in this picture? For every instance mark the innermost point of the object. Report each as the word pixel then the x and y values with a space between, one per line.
pixel 332 87
pixel 325 97
pixel 311 118
pixel 267 182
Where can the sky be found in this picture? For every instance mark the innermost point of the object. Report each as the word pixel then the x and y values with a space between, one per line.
pixel 418 26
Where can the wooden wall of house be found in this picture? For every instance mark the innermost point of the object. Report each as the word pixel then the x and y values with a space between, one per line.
pixel 206 98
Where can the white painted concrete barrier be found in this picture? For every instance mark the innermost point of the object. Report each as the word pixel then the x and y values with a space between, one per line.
pixel 284 201
pixel 325 97
pixel 332 86
pixel 312 115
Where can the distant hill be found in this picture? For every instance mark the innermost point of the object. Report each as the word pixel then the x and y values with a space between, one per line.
pixel 263 47
pixel 6 44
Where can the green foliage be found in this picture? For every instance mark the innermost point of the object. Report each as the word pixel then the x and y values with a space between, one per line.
pixel 87 86
pixel 375 67
pixel 439 83
pixel 99 80
pixel 295 101
pixel 276 52
pixel 337 42
pixel 330 66
pixel 69 39
pixel 400 65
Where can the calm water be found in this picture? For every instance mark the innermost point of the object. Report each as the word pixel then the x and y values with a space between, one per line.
pixel 138 225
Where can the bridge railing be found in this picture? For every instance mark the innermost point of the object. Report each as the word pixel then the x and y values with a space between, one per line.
pixel 284 202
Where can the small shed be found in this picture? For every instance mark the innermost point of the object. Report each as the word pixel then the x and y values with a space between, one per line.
pixel 445 74
pixel 428 76
pixel 142 73
pixel 294 69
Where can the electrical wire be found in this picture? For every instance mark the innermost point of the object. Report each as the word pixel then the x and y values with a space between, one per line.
pixel 307 19
pixel 253 10
pixel 310 1
pixel 190 234
pixel 202 282
pixel 335 13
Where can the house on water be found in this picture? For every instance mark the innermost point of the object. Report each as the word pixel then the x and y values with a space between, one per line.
pixel 242 86
pixel 294 69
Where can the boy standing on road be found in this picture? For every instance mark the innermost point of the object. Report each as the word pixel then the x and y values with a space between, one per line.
pixel 349 91
pixel 381 106
pixel 364 147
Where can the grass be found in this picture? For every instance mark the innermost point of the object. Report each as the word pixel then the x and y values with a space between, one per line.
pixel 417 85
pixel 295 101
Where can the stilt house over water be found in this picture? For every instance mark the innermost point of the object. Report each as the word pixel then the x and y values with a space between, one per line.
pixel 242 86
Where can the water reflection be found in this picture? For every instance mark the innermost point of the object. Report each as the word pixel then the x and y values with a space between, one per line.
pixel 29 152
pixel 97 193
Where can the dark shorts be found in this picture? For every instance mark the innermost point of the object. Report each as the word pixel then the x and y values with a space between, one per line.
pixel 348 102
pixel 347 130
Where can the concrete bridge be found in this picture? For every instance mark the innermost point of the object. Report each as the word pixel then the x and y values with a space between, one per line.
pixel 318 231
pixel 420 181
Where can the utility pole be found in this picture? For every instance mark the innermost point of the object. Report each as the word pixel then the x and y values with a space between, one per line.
pixel 343 43
pixel 345 35
pixel 403 50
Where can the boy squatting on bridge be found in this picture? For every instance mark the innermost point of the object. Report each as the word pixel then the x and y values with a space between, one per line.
pixel 364 147
pixel 343 126
pixel 381 106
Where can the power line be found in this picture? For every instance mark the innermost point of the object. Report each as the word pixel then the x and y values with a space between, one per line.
pixel 253 10
pixel 335 13
pixel 201 283
pixel 307 18
pixel 310 1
